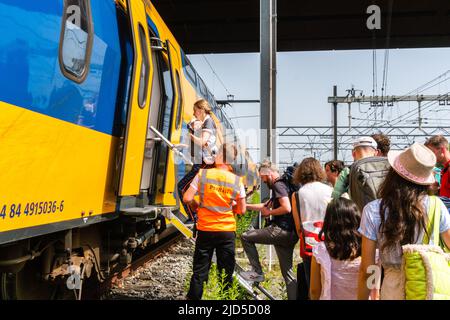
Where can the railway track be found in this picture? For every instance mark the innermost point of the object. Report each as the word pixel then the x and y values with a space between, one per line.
pixel 140 287
pixel 130 269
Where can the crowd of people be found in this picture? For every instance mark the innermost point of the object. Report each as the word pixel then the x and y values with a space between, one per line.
pixel 349 220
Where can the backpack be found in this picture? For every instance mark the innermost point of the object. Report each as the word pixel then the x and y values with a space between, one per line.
pixel 426 268
pixel 365 178
pixel 288 178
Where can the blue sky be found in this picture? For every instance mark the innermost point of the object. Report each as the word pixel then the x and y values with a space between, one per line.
pixel 305 80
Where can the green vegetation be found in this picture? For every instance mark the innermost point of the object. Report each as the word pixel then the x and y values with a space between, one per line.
pixel 215 289
pixel 243 221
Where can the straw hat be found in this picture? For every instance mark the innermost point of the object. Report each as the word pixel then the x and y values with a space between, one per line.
pixel 414 164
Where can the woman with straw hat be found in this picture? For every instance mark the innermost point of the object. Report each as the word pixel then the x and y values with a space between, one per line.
pixel 399 217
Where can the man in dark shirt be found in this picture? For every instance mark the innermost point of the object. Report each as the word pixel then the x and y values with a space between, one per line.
pixel 280 233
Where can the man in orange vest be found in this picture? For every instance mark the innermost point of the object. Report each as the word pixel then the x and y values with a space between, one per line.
pixel 222 195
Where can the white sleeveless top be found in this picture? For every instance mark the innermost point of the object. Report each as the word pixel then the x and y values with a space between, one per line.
pixel 339 277
pixel 313 198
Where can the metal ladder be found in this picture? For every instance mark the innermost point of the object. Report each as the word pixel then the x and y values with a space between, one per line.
pixel 251 287
pixel 176 218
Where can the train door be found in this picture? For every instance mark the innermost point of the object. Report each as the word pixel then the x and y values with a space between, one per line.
pixel 165 95
pixel 139 102
pixel 157 103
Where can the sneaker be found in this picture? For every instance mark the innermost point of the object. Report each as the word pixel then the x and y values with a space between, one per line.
pixel 252 276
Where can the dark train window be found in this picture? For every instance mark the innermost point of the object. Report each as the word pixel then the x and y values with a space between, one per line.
pixel 220 114
pixel 202 88
pixel 165 121
pixel 145 69
pixel 190 72
pixel 76 39
pixel 168 97
pixel 211 99
pixel 213 103
pixel 180 102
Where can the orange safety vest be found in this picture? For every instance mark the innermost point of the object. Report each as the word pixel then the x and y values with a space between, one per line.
pixel 217 189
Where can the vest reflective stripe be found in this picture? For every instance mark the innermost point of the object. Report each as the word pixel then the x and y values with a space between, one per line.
pixel 220 183
pixel 202 175
pixel 217 189
pixel 204 180
pixel 217 209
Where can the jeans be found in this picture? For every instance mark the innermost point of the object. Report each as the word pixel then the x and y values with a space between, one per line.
pixel 284 242
pixel 208 241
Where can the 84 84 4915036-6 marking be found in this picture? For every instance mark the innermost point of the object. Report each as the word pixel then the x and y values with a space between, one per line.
pixel 17 210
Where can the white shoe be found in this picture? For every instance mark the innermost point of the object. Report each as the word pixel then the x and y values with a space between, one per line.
pixel 252 276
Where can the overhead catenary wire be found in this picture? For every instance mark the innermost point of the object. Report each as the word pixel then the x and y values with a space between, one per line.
pixel 402 118
pixel 428 108
pixel 225 87
pixel 216 75
pixel 426 86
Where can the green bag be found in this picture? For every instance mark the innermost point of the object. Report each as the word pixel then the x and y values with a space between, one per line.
pixel 426 268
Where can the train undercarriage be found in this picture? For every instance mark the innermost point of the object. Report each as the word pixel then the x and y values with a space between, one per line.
pixel 73 264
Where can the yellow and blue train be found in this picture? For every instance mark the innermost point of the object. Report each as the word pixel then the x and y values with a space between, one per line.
pixel 84 182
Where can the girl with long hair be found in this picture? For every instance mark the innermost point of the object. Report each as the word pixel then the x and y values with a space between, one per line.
pixel 336 260
pixel 397 218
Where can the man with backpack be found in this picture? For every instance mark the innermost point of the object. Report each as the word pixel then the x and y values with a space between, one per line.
pixel 365 175
pixel 280 233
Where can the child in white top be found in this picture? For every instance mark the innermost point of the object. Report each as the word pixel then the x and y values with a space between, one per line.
pixel 336 260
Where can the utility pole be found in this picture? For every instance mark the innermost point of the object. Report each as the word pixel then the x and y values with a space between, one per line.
pixel 268 52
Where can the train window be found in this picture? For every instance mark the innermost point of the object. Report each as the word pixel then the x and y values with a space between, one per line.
pixel 211 99
pixel 168 97
pixel 220 115
pixel 76 39
pixel 213 103
pixel 228 124
pixel 190 72
pixel 202 88
pixel 180 102
pixel 165 122
pixel 145 69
